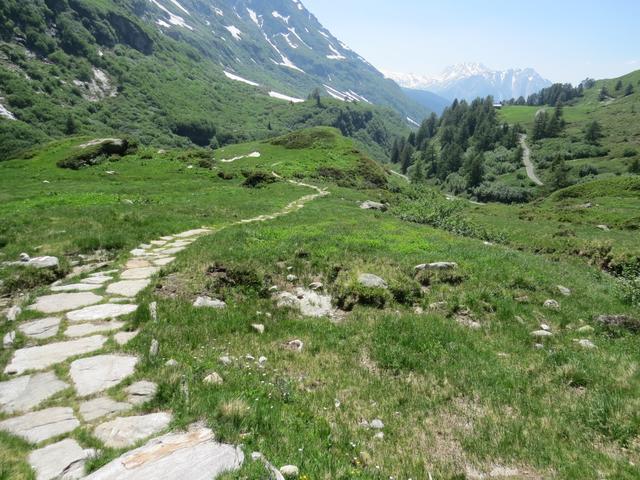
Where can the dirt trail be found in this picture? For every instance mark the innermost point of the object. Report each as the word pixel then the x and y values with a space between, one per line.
pixel 526 158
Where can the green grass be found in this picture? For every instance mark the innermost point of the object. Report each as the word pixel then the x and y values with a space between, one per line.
pixel 452 398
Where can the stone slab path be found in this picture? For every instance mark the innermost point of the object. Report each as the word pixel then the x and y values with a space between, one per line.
pixel 79 319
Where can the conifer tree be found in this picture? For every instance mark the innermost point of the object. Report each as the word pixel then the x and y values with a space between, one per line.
pixel 629 90
pixel 406 157
pixel 540 125
pixel 593 133
pixel 559 174
pixel 619 85
pixel 71 126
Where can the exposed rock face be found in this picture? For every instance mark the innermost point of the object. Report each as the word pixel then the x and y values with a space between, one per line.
pixel 310 303
pixel 192 455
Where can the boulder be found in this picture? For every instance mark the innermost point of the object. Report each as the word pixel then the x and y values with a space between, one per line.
pixel 436 266
pixel 208 302
pixel 371 205
pixel 370 280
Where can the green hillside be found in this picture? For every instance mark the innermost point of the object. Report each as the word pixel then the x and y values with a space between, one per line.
pixel 107 71
pixel 617 111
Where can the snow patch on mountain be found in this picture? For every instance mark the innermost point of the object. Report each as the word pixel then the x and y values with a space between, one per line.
pixel 275 14
pixel 348 96
pixel 298 4
pixel 254 17
pixel 218 12
pixel 237 78
pixel 174 19
pixel 180 7
pixel 234 31
pixel 336 55
pixel 281 96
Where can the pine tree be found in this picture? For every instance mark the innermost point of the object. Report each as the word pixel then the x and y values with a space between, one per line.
pixel 629 90
pixel 71 127
pixel 475 173
pixel 593 133
pixel 540 125
pixel 418 174
pixel 635 166
pixel 619 85
pixel 395 151
pixel 559 174
pixel 406 157
pixel 604 94
pixel 430 157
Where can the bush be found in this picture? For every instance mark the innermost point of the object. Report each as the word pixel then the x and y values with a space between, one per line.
pixel 501 193
pixel 257 179
pixel 587 170
pixel 95 154
pixel 629 285
pixel 629 152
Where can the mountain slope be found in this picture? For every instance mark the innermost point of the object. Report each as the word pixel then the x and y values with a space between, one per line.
pixel 471 80
pixel 156 71
pixel 429 100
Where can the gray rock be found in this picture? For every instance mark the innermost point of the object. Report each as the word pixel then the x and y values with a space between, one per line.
pixel 436 266
pixel 101 407
pixel 122 338
pixel 552 304
pixel 585 329
pixel 370 280
pixel 371 205
pixel 98 280
pixel 310 303
pixel 604 228
pixel 154 348
pixel 316 286
pixel 295 345
pixel 141 392
pixel 192 455
pixel 376 424
pixel 291 278
pixel 61 302
pixel 41 357
pixel 161 262
pixel 585 343
pixel 564 290
pixel 24 257
pixel 171 363
pixel 64 459
pixel 106 311
pixel 225 360
pixel 22 394
pixel 207 302
pixel 42 425
pixel 153 311
pixel 128 288
pixel 258 327
pixel 96 374
pixel 213 378
pixel 289 471
pixel 37 262
pixel 9 339
pixel 541 333
pixel 193 233
pixel 13 313
pixel 41 329
pixel 123 432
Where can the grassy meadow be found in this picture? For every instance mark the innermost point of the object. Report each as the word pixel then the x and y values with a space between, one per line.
pixel 446 360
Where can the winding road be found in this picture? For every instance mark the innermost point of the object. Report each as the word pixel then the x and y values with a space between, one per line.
pixel 526 158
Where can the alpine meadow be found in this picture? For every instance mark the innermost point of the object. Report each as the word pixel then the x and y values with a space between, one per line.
pixel 232 248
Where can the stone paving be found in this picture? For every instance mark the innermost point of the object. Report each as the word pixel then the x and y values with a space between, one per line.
pixel 78 320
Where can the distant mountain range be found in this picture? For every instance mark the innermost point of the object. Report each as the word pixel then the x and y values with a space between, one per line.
pixel 471 80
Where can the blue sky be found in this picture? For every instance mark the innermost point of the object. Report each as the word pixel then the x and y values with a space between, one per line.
pixel 564 40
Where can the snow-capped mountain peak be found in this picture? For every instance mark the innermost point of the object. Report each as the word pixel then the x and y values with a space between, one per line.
pixel 470 80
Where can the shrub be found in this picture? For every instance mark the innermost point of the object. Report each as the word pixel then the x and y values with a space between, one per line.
pixel 226 175
pixel 629 285
pixel 501 193
pixel 629 152
pixel 587 170
pixel 257 179
pixel 95 154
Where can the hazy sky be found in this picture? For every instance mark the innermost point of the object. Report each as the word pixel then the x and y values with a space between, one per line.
pixel 564 40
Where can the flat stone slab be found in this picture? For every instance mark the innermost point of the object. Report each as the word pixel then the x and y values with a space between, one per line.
pixel 39 358
pixel 64 459
pixel 139 273
pixel 126 431
pixel 24 393
pixel 95 374
pixel 173 251
pixel 101 312
pixel 99 280
pixel 101 407
pixel 141 392
pixel 41 329
pixel 161 262
pixel 61 302
pixel 193 455
pixel 122 338
pixel 137 263
pixel 128 288
pixel 42 425
pixel 84 329
pixel 76 287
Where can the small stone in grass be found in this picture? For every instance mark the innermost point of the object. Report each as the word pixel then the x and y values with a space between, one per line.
pixel 541 333
pixel 225 360
pixel 585 343
pixel 289 471
pixel 564 290
pixel 552 304
pixel 291 278
pixel 171 363
pixel 154 348
pixel 377 424
pixel 213 379
pixel 262 360
pixel 258 327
